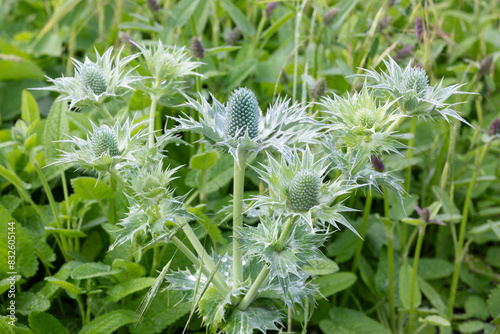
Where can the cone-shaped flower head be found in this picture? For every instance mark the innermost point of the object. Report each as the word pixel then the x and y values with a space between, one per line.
pixel 105 147
pixel 104 141
pixel 243 114
pixel 240 127
pixel 297 189
pixel 410 88
pixel 304 191
pixel 95 82
pixel 92 76
pixel 416 80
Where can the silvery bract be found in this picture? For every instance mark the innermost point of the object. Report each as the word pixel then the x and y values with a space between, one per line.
pixel 95 82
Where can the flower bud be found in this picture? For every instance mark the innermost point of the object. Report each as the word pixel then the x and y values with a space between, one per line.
pixel 493 129
pixel 419 29
pixel 234 36
pixel 365 118
pixel 304 191
pixel 104 141
pixel 243 114
pixel 197 49
pixel 154 5
pixel 93 77
pixel 319 89
pixel 485 65
pixel 416 80
pixel 377 163
pixel 329 16
pixel 271 7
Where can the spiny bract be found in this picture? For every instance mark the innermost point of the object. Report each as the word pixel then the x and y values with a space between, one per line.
pixel 304 191
pixel 243 114
pixel 416 79
pixel 104 141
pixel 93 77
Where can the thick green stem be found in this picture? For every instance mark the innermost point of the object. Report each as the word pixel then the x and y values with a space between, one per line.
pixel 409 155
pixel 104 112
pixel 207 259
pixel 459 251
pixel 152 113
pixel 280 244
pixel 259 281
pixel 416 257
pixel 190 255
pixel 390 262
pixel 112 207
pixel 238 190
pixel 362 231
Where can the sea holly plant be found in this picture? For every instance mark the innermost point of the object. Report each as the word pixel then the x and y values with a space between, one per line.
pixel 308 167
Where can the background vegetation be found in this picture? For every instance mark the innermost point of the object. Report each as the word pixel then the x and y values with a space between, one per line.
pixel 282 48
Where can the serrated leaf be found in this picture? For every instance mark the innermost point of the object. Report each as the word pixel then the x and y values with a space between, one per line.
pixel 321 268
pixel 331 284
pixel 62 275
pixel 91 188
pixel 29 107
pixel 494 302
pixel 213 307
pixel 126 288
pixel 260 315
pixel 27 302
pixel 435 320
pixel 109 322
pixel 346 321
pixel 45 323
pixel 91 270
pixel 56 129
pixel 238 17
pixel 405 274
pixel 203 160
pixel 69 287
pixel 476 307
pixel 127 270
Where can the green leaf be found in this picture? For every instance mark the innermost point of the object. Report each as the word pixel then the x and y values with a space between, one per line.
pixel 27 302
pixel 91 270
pixel 494 302
pixel 430 269
pixel 183 11
pixel 260 315
pixel 203 160
pixel 321 268
pixel 331 284
pixel 109 322
pixel 220 49
pixel 29 108
pixel 432 295
pixel 471 327
pixel 91 188
pixel 240 72
pixel 476 307
pixel 213 306
pixel 69 287
pixel 127 270
pixel 435 320
pixel 66 232
pixel 4 326
pixel 346 321
pixel 405 274
pixel 45 323
pixel 56 129
pixel 15 68
pixel 126 288
pixel 276 25
pixel 238 17
pixel 62 275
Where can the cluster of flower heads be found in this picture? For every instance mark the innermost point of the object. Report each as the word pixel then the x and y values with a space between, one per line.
pixel 300 207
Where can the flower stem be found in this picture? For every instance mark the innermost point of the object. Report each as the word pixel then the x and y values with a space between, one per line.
pixel 459 251
pixel 416 257
pixel 190 255
pixel 238 190
pixel 104 112
pixel 152 113
pixel 208 263
pixel 264 273
pixel 390 261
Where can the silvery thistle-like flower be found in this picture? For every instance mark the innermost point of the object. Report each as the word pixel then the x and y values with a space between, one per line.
pixel 152 204
pixel 297 189
pixel 239 126
pixel 105 147
pixel 359 122
pixel 166 66
pixel 412 92
pixel 95 82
